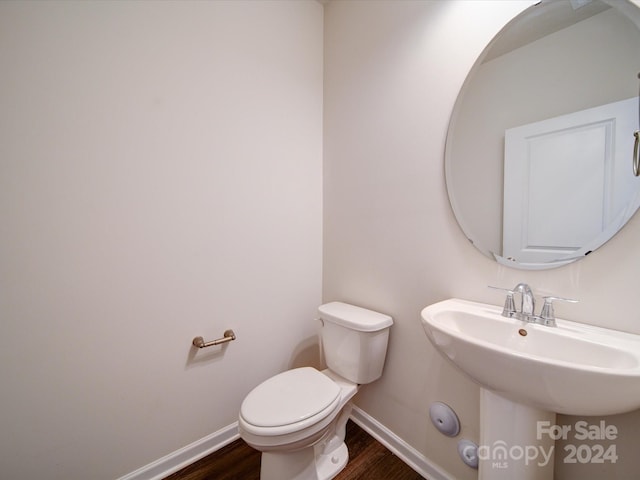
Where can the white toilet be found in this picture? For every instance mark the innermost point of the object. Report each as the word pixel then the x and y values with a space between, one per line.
pixel 297 418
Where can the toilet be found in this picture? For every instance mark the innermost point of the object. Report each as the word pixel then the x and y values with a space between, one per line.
pixel 297 419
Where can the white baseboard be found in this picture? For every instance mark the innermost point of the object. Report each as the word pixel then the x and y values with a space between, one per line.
pixel 399 447
pixel 193 452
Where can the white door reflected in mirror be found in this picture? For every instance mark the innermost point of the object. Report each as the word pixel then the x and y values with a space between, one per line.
pixel 586 153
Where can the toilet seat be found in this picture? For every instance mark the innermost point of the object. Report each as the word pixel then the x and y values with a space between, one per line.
pixel 289 402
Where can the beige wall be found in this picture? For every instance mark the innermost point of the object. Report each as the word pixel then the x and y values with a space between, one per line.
pixel 160 178
pixel 392 73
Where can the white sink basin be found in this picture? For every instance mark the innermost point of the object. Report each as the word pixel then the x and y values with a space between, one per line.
pixel 573 368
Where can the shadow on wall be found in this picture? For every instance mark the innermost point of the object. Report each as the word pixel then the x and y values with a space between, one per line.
pixel 307 354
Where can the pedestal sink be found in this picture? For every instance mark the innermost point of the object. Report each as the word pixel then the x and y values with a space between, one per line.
pixel 530 372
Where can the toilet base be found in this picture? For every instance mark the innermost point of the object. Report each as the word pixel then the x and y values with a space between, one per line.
pixel 303 464
pixel 328 466
pixel 322 461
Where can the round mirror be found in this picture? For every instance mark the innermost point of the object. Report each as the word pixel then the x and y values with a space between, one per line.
pixel 539 153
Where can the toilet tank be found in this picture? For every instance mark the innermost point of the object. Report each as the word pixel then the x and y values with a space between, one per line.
pixel 354 341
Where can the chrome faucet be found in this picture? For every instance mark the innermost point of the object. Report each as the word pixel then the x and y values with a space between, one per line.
pixel 527 302
pixel 528 306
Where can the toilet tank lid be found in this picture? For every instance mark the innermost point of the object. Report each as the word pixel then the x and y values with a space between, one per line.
pixel 356 318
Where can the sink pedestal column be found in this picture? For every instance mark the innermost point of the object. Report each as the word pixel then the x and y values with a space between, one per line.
pixel 510 447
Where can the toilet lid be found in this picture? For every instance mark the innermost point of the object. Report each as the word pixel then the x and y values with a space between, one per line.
pixel 289 397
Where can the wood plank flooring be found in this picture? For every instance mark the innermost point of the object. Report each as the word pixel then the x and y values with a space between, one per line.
pixel 368 460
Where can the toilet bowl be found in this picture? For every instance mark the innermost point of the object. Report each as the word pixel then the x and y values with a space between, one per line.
pixel 297 419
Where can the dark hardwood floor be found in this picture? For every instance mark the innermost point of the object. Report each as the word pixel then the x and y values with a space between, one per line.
pixel 368 460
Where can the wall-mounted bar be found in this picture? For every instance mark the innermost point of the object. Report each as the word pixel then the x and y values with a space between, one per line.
pixel 228 336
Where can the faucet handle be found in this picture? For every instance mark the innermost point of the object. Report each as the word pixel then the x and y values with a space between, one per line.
pixel 508 290
pixel 547 315
pixel 509 308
